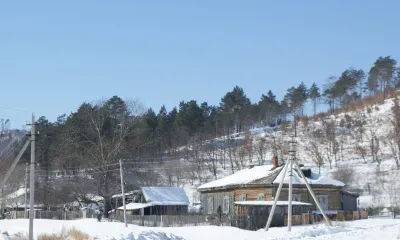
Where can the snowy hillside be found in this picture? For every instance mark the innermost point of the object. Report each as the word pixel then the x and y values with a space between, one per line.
pixel 361 141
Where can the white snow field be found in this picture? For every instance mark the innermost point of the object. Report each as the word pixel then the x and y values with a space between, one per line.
pixel 362 229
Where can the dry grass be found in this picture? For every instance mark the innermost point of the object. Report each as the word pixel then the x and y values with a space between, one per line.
pixel 19 236
pixel 71 234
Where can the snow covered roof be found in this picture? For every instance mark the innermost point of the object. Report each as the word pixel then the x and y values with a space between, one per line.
pixel 165 196
pixel 314 179
pixel 270 203
pixel 244 176
pixel 134 206
pixel 385 210
pixel 20 192
pixel 261 175
pixel 126 194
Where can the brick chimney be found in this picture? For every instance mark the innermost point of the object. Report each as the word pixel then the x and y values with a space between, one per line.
pixel 275 163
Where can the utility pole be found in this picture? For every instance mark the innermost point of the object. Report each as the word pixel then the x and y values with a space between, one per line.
pixel 292 153
pixel 292 160
pixel 32 180
pixel 26 190
pixel 123 190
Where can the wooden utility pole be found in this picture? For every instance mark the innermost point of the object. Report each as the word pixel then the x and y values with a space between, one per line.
pixel 26 190
pixel 32 180
pixel 123 190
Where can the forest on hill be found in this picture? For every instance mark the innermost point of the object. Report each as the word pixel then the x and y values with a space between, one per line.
pixel 91 140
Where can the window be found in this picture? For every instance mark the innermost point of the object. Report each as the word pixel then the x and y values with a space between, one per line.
pixel 323 201
pixel 260 197
pixel 226 203
pixel 242 197
pixel 296 197
pixel 210 208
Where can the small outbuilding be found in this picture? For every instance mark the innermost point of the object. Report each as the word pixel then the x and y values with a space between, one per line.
pixel 158 201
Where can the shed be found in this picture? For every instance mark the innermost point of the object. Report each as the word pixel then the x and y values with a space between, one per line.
pixel 160 201
pixel 348 201
pixel 385 213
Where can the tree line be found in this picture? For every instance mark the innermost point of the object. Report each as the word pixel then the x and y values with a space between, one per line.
pixel 98 134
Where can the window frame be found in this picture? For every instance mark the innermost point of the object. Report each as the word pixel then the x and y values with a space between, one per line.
pixel 210 205
pixel 226 204
pixel 327 201
pixel 242 197
pixel 263 197
pixel 296 195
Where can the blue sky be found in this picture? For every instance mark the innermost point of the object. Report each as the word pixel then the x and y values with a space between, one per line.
pixel 54 55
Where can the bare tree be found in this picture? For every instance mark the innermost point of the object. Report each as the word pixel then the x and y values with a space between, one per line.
pixel 209 149
pixel 393 136
pixel 230 149
pixel 100 133
pixel 361 150
pixel 279 146
pixel 344 174
pixel 316 154
pixel 374 144
pixel 248 145
pixel 241 154
pixel 261 149
pixel 393 141
pixel 360 123
pixel 332 145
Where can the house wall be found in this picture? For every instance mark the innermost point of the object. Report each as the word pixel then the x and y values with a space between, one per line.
pixel 217 200
pixel 166 210
pixel 252 193
pixel 349 202
pixel 333 194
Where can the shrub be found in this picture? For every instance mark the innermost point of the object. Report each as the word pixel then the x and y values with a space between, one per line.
pixel 19 236
pixel 71 234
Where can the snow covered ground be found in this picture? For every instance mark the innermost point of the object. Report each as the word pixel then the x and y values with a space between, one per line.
pixel 362 229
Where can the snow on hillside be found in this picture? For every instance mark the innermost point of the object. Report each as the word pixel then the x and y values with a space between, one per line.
pixel 375 182
pixel 361 229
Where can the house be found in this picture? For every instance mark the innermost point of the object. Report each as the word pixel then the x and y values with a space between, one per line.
pixel 260 183
pixel 158 201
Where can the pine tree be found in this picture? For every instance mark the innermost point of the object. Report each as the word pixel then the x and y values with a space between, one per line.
pixel 385 68
pixel 396 82
pixel 234 104
pixel 268 108
pixel 314 96
pixel 372 83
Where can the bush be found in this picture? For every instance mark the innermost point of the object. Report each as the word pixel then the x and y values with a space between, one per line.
pixel 19 236
pixel 344 174
pixel 71 234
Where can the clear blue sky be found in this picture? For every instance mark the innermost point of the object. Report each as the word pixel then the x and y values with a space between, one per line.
pixel 54 55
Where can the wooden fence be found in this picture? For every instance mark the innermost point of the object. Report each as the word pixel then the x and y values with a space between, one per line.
pixel 249 222
pixel 170 220
pixel 55 215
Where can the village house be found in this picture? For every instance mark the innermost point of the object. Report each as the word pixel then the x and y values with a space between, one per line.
pixel 158 201
pixel 239 193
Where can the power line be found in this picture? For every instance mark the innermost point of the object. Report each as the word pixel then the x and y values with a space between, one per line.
pixel 15 109
pixel 129 169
